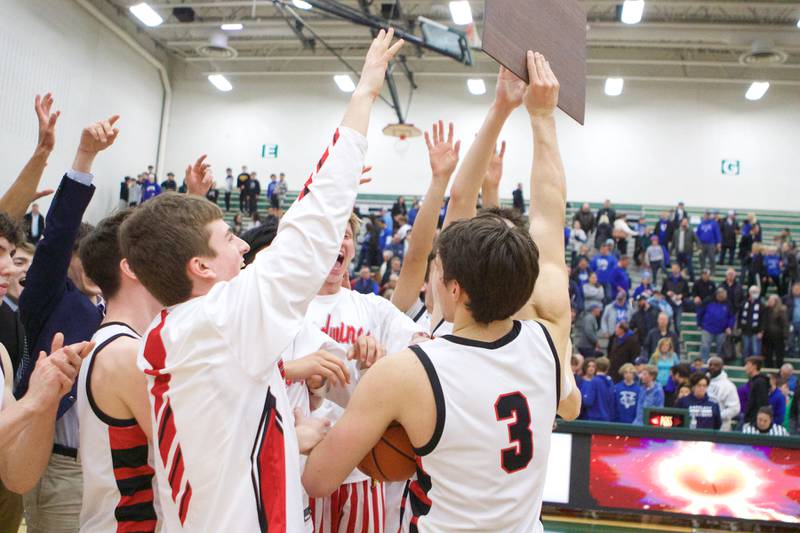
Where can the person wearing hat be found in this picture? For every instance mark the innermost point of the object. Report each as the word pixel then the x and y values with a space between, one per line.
pixel 645 287
pixel 710 241
pixel 588 328
pixel 729 230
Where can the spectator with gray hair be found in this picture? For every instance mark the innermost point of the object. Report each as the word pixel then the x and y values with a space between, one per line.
pixel 651 393
pixel 751 323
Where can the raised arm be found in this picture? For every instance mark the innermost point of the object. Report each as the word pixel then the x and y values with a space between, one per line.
pixel 470 177
pixel 491 183
pixel 443 154
pixel 22 192
pixel 265 304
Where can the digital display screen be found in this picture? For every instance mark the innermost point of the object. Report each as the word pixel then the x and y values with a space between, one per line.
pixel 695 478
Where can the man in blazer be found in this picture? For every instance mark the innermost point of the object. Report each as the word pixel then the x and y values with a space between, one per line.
pixel 34 224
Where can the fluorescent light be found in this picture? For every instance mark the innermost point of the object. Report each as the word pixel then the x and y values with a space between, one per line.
pixel 476 86
pixel 632 11
pixel 299 4
pixel 798 23
pixel 461 12
pixel 220 82
pixel 146 14
pixel 345 82
pixel 614 86
pixel 757 90
pixel 232 26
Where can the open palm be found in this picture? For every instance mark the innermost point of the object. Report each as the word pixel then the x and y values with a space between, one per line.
pixel 510 89
pixel 443 153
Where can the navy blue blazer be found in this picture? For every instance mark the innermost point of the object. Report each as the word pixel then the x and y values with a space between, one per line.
pixel 51 303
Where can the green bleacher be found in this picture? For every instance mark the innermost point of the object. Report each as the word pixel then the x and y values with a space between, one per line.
pixel 772 223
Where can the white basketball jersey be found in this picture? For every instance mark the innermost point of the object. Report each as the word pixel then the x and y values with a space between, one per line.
pixel 116 459
pixel 227 457
pixel 484 468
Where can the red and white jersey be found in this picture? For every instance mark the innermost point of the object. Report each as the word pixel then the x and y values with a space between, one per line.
pixel 484 468
pixel 347 315
pixel 226 452
pixel 116 459
pixel 309 340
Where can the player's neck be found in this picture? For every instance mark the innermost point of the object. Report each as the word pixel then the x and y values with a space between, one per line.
pixel 329 288
pixel 468 328
pixel 135 308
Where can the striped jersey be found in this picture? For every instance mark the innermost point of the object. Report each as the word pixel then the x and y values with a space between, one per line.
pixel 227 457
pixel 484 467
pixel 116 459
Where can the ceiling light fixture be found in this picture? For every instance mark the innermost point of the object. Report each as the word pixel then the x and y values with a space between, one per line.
pixel 614 86
pixel 757 90
pixel 220 82
pixel 146 14
pixel 632 11
pixel 461 12
pixel 345 82
pixel 476 86
pixel 232 26
pixel 300 4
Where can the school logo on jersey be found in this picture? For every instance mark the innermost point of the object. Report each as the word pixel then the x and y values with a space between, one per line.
pixel 627 398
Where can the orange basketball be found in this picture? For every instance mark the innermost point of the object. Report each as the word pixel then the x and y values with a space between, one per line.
pixel 392 458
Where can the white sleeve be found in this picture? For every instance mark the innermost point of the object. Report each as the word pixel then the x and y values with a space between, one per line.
pixel 261 310
pixel 395 328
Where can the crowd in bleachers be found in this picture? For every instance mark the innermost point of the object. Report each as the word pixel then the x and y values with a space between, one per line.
pixel 628 333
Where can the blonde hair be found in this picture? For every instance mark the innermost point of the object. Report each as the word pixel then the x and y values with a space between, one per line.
pixel 355 224
pixel 657 353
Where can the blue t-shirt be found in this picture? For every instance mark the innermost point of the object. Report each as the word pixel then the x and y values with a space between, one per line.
pixel 603 265
pixel 625 399
pixel 796 312
pixel 773 265
pixel 271 188
pixel 150 190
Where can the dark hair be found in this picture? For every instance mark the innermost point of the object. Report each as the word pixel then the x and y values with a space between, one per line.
pixel 512 215
pixel 696 378
pixel 755 360
pixel 83 231
pixel 260 237
pixel 681 370
pixel 162 236
pixel 496 265
pixel 100 253
pixel 10 229
pixel 766 410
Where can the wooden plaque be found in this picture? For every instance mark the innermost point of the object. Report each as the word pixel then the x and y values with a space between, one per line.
pixel 555 28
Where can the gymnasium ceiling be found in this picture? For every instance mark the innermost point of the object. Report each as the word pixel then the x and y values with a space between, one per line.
pixel 683 40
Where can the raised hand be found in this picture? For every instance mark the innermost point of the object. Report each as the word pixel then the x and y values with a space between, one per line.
pixel 364 178
pixel 199 177
pixel 495 172
pixel 377 61
pixel 541 98
pixel 443 154
pixel 47 122
pixel 99 136
pixel 510 90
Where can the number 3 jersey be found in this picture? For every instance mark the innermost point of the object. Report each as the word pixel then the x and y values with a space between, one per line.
pixel 484 468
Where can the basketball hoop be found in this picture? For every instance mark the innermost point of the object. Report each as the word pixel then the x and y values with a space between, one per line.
pixel 402 131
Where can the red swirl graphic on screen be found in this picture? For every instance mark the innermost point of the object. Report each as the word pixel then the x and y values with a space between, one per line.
pixel 697 478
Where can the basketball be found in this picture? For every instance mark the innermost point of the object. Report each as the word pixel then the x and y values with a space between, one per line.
pixel 392 458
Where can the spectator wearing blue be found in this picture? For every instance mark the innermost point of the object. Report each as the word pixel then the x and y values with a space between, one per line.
pixel 703 411
pixel 659 301
pixel 710 241
pixel 581 272
pixel 150 189
pixel 603 264
pixel 777 401
pixel 617 311
pixel 645 287
pixel 787 374
pixel 664 229
pixel 773 268
pixel 412 213
pixel 589 368
pixel 626 395
pixel 388 229
pixel 664 358
pixel 365 283
pixel 397 246
pixel 642 240
pixel 751 323
pixel 651 393
pixel 716 319
pixel 729 230
pixel 598 394
pixel 678 377
pixel 619 278
pixel 575 297
pixel 682 247
pixel 654 257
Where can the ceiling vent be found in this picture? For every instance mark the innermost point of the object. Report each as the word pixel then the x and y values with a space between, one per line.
pixel 763 53
pixel 217 47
